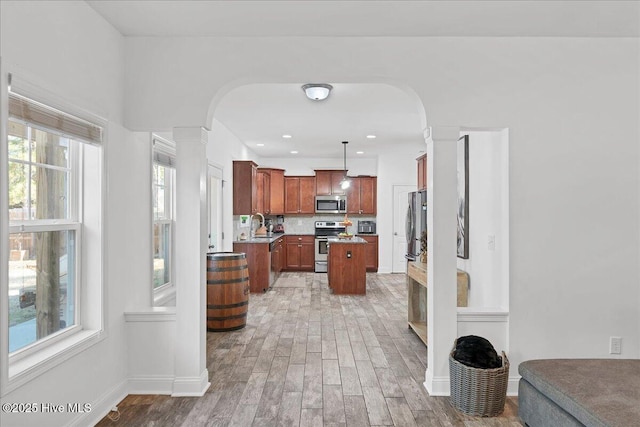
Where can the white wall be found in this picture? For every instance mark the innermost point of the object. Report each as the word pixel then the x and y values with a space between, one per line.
pixel 573 190
pixel 41 45
pixel 487 172
pixel 571 106
pixel 396 166
pixel 356 165
pixel 223 148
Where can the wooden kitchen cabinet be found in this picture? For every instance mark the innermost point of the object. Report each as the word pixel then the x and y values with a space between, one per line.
pixel 346 273
pixel 263 191
pixel 245 187
pixel 258 260
pixel 328 182
pixel 270 185
pixel 370 252
pixel 422 172
pixel 300 252
pixel 362 195
pixel 299 194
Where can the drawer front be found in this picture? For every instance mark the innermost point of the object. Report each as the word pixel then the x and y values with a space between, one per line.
pixel 300 239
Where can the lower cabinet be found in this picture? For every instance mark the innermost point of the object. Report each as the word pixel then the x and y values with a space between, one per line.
pixel 258 261
pixel 371 251
pixel 300 252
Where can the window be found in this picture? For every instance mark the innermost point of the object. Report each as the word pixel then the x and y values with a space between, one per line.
pixel 54 178
pixel 43 234
pixel 163 189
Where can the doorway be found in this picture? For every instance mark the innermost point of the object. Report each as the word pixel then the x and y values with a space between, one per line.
pixel 214 208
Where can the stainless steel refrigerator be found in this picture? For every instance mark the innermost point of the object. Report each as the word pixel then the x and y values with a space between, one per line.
pixel 416 222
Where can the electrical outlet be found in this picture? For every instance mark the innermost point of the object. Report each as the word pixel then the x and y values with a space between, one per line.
pixel 615 345
pixel 491 242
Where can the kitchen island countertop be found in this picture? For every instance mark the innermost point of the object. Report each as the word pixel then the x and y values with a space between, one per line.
pixel 354 239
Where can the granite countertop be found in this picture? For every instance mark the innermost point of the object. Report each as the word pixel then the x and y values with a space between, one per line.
pixel 354 239
pixel 269 238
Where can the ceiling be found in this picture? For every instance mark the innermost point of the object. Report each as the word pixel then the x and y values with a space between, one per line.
pixel 261 114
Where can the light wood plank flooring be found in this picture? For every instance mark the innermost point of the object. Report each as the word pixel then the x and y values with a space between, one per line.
pixel 310 358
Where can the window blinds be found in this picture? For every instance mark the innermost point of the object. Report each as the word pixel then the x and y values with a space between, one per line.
pixel 43 116
pixel 164 152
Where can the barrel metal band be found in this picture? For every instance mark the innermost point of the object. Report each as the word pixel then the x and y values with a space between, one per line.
pixel 234 268
pixel 233 328
pixel 238 304
pixel 225 257
pixel 236 316
pixel 227 281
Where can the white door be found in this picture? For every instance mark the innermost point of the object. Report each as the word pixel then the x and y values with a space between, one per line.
pixel 214 207
pixel 401 202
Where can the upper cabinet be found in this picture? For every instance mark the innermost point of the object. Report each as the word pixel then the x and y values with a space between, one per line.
pixel 362 195
pixel 245 187
pixel 328 182
pixel 270 184
pixel 422 172
pixel 299 194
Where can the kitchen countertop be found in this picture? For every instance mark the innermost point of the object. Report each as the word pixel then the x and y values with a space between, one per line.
pixel 270 238
pixel 354 239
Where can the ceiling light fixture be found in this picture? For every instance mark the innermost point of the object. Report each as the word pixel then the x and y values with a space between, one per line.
pixel 294 152
pixel 359 152
pixel 345 183
pixel 371 137
pixel 286 136
pixel 317 91
pixel 260 145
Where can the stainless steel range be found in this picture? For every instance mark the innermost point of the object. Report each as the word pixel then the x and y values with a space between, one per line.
pixel 323 230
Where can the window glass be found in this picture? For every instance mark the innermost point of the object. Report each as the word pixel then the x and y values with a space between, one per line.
pixel 162 224
pixel 41 285
pixel 42 258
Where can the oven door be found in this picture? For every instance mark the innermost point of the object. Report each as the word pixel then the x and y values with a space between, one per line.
pixel 321 249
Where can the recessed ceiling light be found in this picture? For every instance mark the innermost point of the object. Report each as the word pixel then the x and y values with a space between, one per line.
pixel 371 137
pixel 359 152
pixel 294 152
pixel 286 136
pixel 260 145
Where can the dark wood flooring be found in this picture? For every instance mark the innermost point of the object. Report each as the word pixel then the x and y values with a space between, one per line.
pixel 310 358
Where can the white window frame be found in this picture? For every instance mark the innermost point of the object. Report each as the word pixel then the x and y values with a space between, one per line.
pixel 164 154
pixel 73 223
pixel 34 360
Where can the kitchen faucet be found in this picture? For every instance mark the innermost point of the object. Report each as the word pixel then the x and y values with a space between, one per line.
pixel 261 224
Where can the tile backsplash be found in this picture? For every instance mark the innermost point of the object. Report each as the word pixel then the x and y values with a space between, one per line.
pixel 302 224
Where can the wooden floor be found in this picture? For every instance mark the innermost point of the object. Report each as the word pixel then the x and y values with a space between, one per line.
pixel 310 358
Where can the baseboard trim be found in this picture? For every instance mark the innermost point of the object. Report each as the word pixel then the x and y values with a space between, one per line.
pixel 512 385
pixel 154 384
pixel 102 406
pixel 191 386
pixel 436 386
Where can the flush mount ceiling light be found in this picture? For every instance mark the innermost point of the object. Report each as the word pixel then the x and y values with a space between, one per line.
pixel 286 136
pixel 371 137
pixel 317 91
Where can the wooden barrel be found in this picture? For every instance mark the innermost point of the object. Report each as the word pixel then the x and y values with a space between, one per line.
pixel 227 291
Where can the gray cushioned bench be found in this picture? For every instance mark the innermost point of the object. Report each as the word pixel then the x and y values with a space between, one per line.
pixel 579 392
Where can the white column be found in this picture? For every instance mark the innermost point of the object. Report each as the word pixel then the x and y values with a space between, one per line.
pixel 441 263
pixel 191 375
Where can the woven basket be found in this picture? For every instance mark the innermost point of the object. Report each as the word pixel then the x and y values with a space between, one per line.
pixel 478 392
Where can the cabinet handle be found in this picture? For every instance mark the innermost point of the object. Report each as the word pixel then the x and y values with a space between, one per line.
pixel 299 238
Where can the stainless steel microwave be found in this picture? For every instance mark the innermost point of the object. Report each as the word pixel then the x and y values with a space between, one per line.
pixel 331 204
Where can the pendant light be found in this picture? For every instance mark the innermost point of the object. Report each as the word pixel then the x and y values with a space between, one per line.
pixel 345 183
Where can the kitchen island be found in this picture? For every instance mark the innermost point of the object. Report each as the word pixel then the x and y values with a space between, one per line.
pixel 346 265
